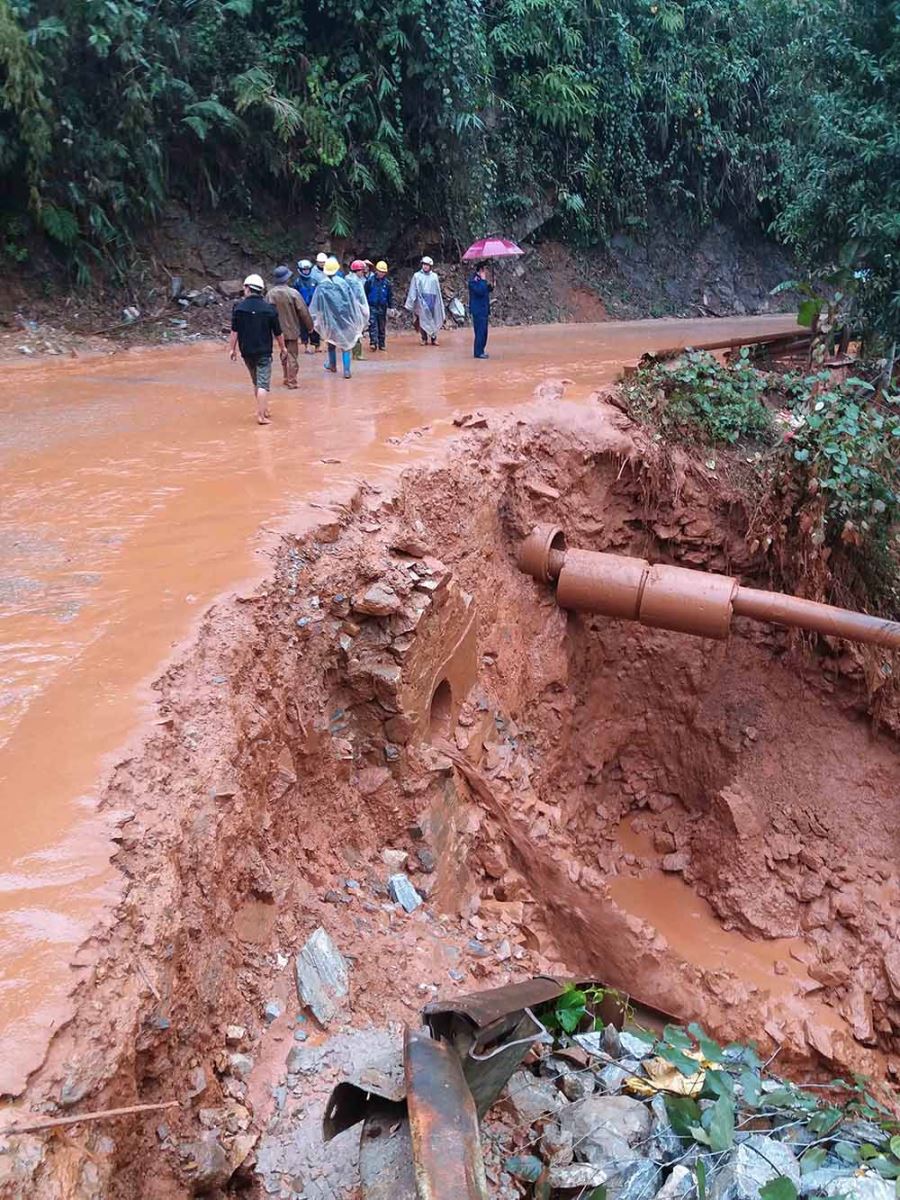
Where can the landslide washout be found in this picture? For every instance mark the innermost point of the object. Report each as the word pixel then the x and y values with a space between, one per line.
pixel 397 684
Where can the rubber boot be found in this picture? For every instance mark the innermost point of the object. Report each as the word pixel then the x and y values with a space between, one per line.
pixel 331 360
pixel 345 358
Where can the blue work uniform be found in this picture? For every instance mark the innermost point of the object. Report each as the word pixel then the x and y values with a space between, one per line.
pixel 480 308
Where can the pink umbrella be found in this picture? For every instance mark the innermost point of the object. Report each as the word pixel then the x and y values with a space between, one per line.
pixel 492 247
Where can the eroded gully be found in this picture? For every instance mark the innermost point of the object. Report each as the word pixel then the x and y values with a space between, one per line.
pixel 134 490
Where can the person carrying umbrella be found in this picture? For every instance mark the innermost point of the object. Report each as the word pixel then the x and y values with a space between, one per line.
pixel 480 307
pixel 425 302
pixel 479 288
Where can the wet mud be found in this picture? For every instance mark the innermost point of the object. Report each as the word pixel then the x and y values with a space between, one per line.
pixel 133 491
pixel 709 826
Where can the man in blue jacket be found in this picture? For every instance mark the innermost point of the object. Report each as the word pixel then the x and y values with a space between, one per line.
pixel 480 307
pixel 380 295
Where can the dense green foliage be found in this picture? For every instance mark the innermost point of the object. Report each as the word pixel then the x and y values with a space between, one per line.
pixel 818 458
pixel 468 113
pixel 837 194
pixel 696 397
pixel 849 448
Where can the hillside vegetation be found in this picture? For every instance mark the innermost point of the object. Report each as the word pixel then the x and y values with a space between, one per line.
pixel 470 114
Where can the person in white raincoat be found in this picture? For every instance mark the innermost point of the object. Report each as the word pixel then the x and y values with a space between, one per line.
pixel 337 316
pixel 356 279
pixel 425 302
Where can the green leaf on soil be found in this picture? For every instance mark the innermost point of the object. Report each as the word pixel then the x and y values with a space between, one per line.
pixel 681 1062
pixel 718 1122
pixel 710 1049
pixel 750 1086
pixel 895 1145
pixel 886 1167
pixel 718 1083
pixel 847 1151
pixel 674 1036
pixel 701 1179
pixel 779 1188
pixel 813 1159
pixel 683 1113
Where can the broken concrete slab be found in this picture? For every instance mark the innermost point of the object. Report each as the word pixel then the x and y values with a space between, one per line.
pixel 323 979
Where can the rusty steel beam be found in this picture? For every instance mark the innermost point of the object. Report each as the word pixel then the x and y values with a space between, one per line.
pixel 733 343
pixel 682 600
pixel 443 1123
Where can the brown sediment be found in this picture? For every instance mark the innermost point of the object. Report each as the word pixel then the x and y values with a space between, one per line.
pixel 133 491
pixel 619 801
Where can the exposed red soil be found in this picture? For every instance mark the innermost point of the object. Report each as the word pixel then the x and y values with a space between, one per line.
pixel 297 740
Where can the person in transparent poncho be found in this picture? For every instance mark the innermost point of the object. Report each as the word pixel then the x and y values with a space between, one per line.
pixel 425 302
pixel 356 279
pixel 338 316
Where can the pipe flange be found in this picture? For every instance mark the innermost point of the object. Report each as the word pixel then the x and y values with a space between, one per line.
pixel 534 552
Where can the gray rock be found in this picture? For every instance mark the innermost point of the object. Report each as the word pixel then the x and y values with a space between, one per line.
pixel 273 1011
pixel 751 1164
pixel 323 981
pixel 554 1068
pixel 592 1043
pixel 477 948
pixel 861 1131
pixel 611 1078
pixel 636 1181
pixel 207 1161
pixel 533 1098
pixel 577 1084
pixel 240 1064
pixel 634 1047
pixel 604 1128
pixel 861 1187
pixel 378 600
pixel 577 1175
pixel 426 859
pixel 197 1082
pixel 403 893
pixel 556 1146
pixel 611 1043
pixel 813 1183
pixel 665 1142
pixel 679 1184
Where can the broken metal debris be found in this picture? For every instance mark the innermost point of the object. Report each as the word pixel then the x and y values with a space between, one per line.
pixel 420 1108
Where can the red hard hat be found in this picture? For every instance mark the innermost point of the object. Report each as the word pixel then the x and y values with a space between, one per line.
pixel 357 265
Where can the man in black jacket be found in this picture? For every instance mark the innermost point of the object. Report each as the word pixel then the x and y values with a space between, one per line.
pixel 254 324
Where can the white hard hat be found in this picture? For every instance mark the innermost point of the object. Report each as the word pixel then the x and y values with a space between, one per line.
pixel 321 258
pixel 429 261
pixel 255 282
pixel 304 265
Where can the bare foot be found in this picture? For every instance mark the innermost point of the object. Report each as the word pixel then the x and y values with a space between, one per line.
pixel 265 419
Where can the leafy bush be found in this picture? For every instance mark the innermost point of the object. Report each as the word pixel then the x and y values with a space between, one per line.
pixel 847 445
pixel 697 397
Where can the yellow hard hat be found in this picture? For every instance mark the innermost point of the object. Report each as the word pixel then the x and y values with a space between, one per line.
pixel 381 265
pixel 332 266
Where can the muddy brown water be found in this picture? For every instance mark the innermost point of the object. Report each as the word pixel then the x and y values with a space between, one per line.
pixel 136 489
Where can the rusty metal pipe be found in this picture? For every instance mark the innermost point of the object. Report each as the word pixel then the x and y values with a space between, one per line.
pixel 666 597
pixel 821 618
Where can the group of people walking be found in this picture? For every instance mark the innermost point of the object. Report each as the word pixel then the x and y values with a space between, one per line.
pixel 326 304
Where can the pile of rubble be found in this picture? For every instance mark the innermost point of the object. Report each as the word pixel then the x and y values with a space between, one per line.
pixel 610 1111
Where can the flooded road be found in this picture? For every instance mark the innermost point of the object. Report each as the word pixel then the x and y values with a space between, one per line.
pixel 133 491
